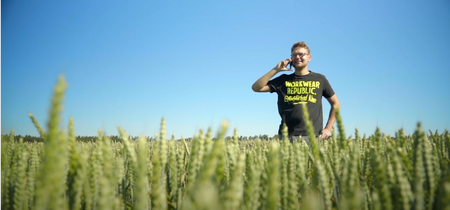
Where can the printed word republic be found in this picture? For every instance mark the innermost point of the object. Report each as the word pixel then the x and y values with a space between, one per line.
pixel 301 91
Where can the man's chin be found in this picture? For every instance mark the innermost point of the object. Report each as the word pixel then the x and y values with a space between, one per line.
pixel 300 66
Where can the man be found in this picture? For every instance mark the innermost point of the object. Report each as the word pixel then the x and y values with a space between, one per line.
pixel 301 87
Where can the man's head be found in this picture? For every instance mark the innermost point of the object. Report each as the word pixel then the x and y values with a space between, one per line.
pixel 300 55
pixel 300 44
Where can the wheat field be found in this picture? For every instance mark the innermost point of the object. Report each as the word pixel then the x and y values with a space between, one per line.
pixel 212 172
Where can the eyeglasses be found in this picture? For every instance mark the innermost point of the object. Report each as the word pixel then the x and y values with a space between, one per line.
pixel 299 54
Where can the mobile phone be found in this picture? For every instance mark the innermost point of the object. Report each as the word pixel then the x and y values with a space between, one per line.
pixel 290 64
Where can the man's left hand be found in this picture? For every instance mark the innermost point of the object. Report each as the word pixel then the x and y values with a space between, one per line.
pixel 326 132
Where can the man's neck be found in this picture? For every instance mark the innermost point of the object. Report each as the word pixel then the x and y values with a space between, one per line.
pixel 302 71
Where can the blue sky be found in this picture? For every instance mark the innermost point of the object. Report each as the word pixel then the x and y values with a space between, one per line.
pixel 130 63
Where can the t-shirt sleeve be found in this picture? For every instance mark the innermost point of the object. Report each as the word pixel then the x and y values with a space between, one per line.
pixel 275 84
pixel 327 90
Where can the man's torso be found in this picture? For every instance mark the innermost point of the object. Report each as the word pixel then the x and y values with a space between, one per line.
pixel 293 91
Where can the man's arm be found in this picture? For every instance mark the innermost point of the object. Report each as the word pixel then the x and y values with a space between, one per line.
pixel 334 102
pixel 261 84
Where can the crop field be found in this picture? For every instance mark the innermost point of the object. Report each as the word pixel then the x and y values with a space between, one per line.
pixel 212 172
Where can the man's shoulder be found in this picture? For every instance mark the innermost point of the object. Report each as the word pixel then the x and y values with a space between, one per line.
pixel 318 75
pixel 286 75
pixel 283 77
pixel 312 73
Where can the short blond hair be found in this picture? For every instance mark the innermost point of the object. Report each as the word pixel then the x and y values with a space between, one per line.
pixel 300 44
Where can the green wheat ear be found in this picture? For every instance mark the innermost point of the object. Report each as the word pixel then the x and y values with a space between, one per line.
pixel 50 187
pixel 341 139
pixel 310 130
pixel 37 125
pixel 56 108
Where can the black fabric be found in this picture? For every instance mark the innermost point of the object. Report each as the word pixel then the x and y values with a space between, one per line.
pixel 293 90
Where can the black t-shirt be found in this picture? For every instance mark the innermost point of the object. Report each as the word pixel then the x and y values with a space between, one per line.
pixel 293 90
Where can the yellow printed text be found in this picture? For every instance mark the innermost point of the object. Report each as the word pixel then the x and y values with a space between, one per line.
pixel 313 84
pixel 301 90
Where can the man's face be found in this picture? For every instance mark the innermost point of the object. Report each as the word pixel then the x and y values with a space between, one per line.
pixel 300 57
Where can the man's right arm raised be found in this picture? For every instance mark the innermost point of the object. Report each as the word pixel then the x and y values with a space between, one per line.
pixel 261 84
